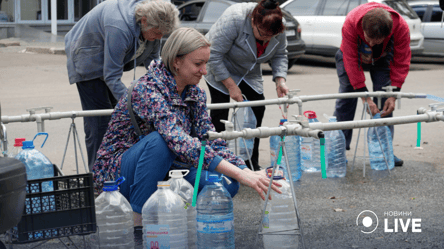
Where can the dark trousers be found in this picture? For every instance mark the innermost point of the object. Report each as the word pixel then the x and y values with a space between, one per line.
pixel 216 115
pixel 345 108
pixel 95 95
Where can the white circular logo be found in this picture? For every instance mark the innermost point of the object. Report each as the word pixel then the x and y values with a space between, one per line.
pixel 368 220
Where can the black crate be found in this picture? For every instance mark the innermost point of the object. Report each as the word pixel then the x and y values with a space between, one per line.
pixel 68 210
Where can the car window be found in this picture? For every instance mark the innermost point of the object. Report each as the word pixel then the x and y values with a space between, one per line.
pixel 302 7
pixel 190 12
pixel 214 11
pixel 335 8
pixel 353 4
pixel 402 8
pixel 420 10
pixel 436 14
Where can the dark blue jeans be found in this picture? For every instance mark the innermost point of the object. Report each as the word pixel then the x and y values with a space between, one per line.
pixel 95 95
pixel 147 163
pixel 345 108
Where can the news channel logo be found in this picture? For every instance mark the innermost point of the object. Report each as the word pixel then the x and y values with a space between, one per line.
pixel 368 221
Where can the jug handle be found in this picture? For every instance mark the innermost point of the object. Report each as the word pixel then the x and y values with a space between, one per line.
pixel 120 180
pixel 41 133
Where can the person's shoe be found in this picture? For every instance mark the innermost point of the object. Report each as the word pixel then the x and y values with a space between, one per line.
pixel 398 162
pixel 138 238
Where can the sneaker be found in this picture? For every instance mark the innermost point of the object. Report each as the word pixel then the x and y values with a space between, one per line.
pixel 398 162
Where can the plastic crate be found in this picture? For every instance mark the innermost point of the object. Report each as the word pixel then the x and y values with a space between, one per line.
pixel 68 210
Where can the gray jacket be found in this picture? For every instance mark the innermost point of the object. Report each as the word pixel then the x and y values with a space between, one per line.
pixel 103 42
pixel 234 53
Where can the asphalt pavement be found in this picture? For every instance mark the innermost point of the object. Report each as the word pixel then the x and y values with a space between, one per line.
pixel 407 202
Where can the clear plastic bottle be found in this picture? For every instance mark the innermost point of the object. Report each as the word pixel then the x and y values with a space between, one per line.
pixel 114 217
pixel 281 216
pixel 310 149
pixel 164 219
pixel 185 190
pixel 244 119
pixel 335 149
pixel 377 161
pixel 292 145
pixel 37 166
pixel 17 147
pixel 215 219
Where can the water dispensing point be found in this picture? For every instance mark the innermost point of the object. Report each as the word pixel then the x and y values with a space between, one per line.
pixel 390 89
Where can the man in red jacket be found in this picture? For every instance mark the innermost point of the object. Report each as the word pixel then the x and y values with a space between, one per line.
pixel 374 38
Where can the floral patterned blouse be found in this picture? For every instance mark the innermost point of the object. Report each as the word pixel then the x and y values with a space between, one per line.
pixel 158 107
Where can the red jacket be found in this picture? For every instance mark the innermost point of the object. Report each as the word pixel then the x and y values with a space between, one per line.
pixel 352 30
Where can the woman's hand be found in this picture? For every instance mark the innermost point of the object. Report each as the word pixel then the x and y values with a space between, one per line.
pixel 258 181
pixel 236 93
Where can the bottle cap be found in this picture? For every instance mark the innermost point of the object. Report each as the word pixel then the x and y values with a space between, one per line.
pixel 28 145
pixel 213 178
pixel 163 184
pixel 278 173
pixel 311 114
pixel 282 121
pixel 178 173
pixel 113 185
pixel 19 142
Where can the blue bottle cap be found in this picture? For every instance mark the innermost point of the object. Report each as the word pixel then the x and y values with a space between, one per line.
pixel 113 185
pixel 28 145
pixel 213 178
pixel 282 121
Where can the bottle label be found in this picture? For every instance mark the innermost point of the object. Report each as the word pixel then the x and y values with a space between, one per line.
pixel 266 220
pixel 224 224
pixel 306 152
pixel 157 236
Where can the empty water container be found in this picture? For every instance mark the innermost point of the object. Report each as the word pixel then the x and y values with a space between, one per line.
pixel 335 149
pixel 245 118
pixel 164 219
pixel 310 148
pixel 376 149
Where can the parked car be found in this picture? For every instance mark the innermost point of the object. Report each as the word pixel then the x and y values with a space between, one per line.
pixel 431 16
pixel 202 14
pixel 322 21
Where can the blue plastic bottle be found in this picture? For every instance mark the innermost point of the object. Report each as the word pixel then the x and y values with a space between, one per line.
pixel 377 161
pixel 335 146
pixel 310 149
pixel 292 145
pixel 37 166
pixel 215 219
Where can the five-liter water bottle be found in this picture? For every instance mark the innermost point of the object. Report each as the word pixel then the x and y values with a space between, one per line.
pixel 280 216
pixel 37 166
pixel 335 149
pixel 311 149
pixel 164 219
pixel 114 217
pixel 293 148
pixel 185 190
pixel 377 161
pixel 245 118
pixel 17 147
pixel 215 219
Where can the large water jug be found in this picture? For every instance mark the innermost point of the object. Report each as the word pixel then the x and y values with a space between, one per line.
pixel 280 216
pixel 215 219
pixel 245 118
pixel 292 145
pixel 310 148
pixel 377 161
pixel 164 219
pixel 37 166
pixel 114 216
pixel 335 149
pixel 185 190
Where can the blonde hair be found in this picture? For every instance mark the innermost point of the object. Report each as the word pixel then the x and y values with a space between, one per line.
pixel 180 43
pixel 159 14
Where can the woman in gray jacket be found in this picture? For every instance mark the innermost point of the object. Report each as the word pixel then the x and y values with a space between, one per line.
pixel 246 35
pixel 115 36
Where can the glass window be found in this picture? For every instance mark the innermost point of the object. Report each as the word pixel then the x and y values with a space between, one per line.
pixel 420 11
pixel 190 12
pixel 335 8
pixel 436 14
pixel 6 11
pixel 30 10
pixel 302 7
pixel 402 8
pixel 81 7
pixel 214 11
pixel 62 9
pixel 353 4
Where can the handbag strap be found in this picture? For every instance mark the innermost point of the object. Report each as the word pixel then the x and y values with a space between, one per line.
pixel 130 109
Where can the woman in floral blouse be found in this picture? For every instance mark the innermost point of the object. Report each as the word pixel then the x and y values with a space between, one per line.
pixel 170 109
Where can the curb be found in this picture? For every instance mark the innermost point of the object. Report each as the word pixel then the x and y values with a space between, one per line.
pixel 43 50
